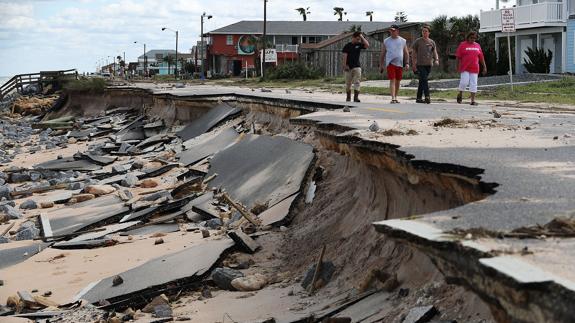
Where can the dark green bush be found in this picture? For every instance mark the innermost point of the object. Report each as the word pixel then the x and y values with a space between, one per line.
pixel 537 60
pixel 292 71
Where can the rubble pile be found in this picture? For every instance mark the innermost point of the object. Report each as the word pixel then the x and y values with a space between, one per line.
pixel 137 178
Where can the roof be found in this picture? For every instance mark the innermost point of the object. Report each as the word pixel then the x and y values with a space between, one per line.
pixel 300 28
pixel 326 42
pixel 153 52
pixel 401 26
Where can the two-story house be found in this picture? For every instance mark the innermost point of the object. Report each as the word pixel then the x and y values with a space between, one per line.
pixel 544 24
pixel 232 48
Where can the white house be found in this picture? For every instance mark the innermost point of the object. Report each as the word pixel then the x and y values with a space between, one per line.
pixel 548 24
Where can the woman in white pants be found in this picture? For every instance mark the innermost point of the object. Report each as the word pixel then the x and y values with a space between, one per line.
pixel 469 55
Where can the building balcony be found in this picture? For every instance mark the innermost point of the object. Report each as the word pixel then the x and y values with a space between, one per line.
pixel 284 48
pixel 530 16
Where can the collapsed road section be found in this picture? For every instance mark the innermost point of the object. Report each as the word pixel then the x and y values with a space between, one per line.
pixel 155 206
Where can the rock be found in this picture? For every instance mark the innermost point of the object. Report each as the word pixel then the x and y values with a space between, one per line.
pixel 214 223
pixel 19 177
pixel 556 137
pixel 163 310
pixel 374 127
pixel 46 204
pixel 117 281
pixel 76 186
pixel 159 241
pixel 205 233
pixel 121 168
pixel 250 283
pixel 4 240
pixel 47 294
pixel 148 183
pixel 130 181
pixel 29 205
pixel 72 140
pixel 420 314
pixel 35 176
pixel 27 231
pixel 223 277
pixel 496 114
pixel 5 192
pixel 158 301
pixel 346 109
pixel 138 164
pixel 125 195
pixel 99 189
pixel 10 211
pixel 326 272
pixel 245 242
pixel 83 197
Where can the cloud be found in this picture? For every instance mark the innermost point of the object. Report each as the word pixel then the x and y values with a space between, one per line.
pixel 42 32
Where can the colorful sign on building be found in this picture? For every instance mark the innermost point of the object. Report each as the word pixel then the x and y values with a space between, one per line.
pixel 247 45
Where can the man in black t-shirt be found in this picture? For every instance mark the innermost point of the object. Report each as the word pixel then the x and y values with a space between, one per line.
pixel 351 66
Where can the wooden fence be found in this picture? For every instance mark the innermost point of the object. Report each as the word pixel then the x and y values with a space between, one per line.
pixel 42 79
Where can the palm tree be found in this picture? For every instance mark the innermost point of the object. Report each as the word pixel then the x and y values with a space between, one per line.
pixel 338 11
pixel 441 33
pixel 303 12
pixel 168 59
pixel 370 15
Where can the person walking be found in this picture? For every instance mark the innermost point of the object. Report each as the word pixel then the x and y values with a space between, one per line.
pixel 394 55
pixel 351 66
pixel 469 55
pixel 424 54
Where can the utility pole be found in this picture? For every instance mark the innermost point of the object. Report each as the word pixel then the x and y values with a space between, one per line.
pixel 264 41
pixel 176 70
pixel 202 77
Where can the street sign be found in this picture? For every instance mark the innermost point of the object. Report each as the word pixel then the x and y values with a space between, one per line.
pixel 507 20
pixel 271 55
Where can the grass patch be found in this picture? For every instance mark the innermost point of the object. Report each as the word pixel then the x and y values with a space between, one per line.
pixel 88 85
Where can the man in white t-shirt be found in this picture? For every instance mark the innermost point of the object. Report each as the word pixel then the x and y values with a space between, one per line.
pixel 394 57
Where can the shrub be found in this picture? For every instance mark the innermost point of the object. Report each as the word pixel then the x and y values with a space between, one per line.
pixel 91 85
pixel 293 71
pixel 537 60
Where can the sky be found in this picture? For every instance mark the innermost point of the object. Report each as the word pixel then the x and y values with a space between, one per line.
pixel 44 35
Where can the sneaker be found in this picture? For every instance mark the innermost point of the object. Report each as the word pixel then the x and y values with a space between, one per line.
pixel 427 100
pixel 419 101
pixel 459 98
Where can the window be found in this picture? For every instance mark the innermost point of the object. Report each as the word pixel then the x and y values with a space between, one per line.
pixel 230 40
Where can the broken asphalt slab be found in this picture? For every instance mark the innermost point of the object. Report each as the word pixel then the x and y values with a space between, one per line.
pixel 197 150
pixel 82 215
pixel 185 266
pixel 12 255
pixel 261 169
pixel 208 121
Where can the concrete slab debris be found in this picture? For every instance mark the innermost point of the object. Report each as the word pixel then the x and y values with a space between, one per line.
pixel 421 314
pixel 209 120
pixel 245 242
pixel 276 215
pixel 185 266
pixel 261 169
pixel 199 149
pixel 14 255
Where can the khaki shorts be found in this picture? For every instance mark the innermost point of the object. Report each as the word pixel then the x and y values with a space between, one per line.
pixel 352 76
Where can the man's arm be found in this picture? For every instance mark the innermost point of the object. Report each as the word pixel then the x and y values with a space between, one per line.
pixel 406 56
pixel 414 56
pixel 382 58
pixel 435 55
pixel 345 67
pixel 364 42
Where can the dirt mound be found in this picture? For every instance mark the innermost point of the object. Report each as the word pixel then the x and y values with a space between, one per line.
pixel 33 105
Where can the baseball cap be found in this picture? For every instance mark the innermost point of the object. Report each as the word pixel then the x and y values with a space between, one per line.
pixel 394 27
